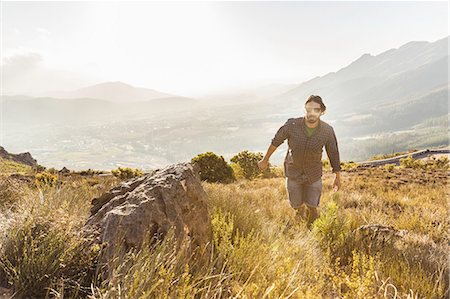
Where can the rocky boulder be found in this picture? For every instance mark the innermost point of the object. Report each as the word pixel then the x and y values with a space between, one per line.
pixel 64 170
pixel 151 205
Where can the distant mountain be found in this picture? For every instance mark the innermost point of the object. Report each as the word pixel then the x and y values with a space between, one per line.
pixel 412 69
pixel 112 91
pixel 396 115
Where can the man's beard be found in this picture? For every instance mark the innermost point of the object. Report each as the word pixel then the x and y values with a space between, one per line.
pixel 311 119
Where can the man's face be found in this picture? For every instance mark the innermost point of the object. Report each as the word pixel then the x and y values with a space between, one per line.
pixel 312 112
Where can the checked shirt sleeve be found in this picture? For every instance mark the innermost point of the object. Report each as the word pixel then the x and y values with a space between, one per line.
pixel 333 152
pixel 281 135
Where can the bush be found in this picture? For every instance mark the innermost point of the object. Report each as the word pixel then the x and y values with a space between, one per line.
pixel 237 171
pixel 213 168
pixel 331 230
pixel 127 173
pixel 409 162
pixel 45 179
pixel 248 164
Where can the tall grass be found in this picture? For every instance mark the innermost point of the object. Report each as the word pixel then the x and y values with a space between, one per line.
pixel 42 247
pixel 258 250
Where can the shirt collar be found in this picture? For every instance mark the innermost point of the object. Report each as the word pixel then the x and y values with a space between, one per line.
pixel 303 122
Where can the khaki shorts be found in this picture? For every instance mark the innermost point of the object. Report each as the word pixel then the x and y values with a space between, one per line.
pixel 301 192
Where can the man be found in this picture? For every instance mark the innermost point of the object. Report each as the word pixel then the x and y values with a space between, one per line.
pixel 303 162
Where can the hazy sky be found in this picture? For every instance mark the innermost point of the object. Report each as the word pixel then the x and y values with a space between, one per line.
pixel 195 48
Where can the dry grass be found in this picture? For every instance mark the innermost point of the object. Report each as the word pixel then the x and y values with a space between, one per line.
pixel 258 250
pixel 41 245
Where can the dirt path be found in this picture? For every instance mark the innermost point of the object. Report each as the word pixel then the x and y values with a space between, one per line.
pixel 422 154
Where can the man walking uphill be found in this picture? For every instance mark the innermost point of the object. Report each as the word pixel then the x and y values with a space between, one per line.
pixel 303 162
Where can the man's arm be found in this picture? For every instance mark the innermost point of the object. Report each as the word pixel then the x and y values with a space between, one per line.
pixel 333 154
pixel 277 140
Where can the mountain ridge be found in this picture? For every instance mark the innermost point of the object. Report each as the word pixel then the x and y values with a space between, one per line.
pixel 114 91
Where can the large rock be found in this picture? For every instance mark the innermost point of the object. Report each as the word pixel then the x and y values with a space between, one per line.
pixel 151 205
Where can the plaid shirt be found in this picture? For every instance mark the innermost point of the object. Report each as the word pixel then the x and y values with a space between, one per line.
pixel 305 153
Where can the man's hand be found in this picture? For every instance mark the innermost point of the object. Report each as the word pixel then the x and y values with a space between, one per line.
pixel 337 182
pixel 263 164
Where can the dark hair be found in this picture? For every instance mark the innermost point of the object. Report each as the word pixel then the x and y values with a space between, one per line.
pixel 316 99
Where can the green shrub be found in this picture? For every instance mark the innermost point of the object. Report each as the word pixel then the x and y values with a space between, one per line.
pixel 213 168
pixel 237 171
pixel 45 179
pixel 249 163
pixel 126 172
pixel 409 162
pixel 331 230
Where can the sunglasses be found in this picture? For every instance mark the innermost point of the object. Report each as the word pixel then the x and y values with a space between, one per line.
pixel 315 110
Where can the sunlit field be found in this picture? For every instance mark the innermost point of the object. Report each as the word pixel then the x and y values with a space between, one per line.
pixel 383 235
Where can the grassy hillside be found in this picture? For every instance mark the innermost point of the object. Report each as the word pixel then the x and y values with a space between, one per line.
pixel 259 249
pixel 9 166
